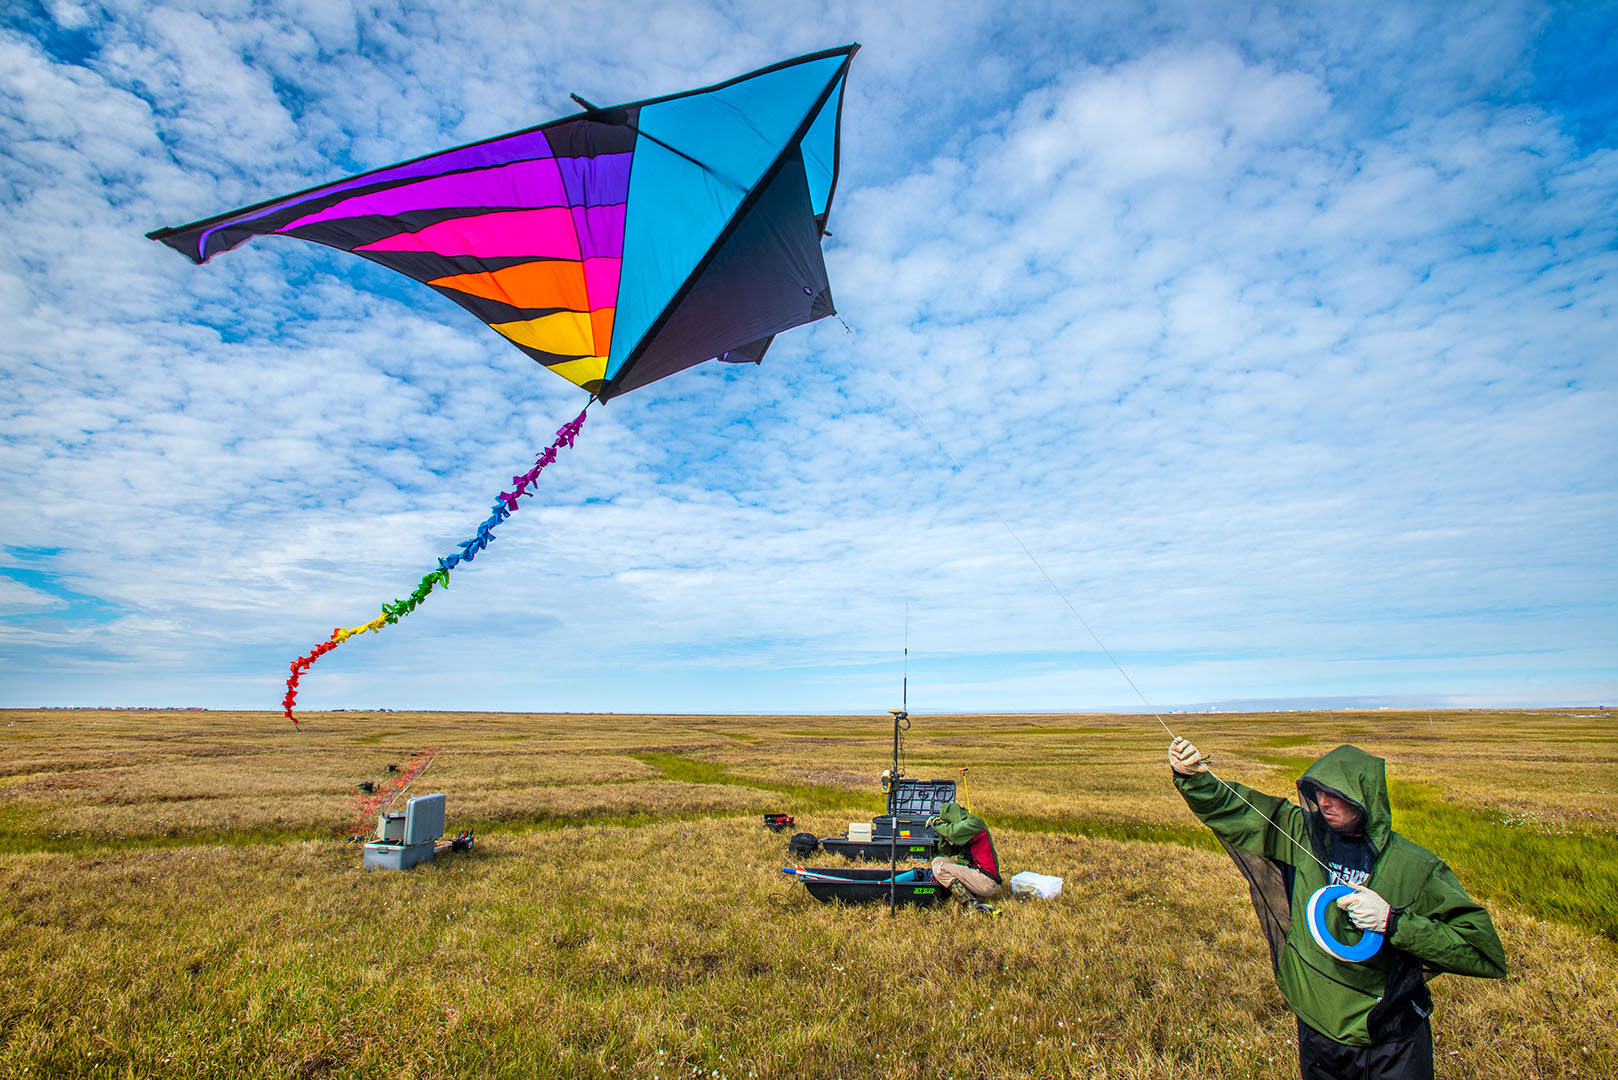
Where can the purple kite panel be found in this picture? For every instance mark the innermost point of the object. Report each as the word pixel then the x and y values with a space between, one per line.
pixel 531 144
pixel 523 184
pixel 596 181
pixel 600 229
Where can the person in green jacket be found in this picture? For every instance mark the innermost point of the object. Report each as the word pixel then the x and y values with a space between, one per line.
pixel 968 867
pixel 1359 1020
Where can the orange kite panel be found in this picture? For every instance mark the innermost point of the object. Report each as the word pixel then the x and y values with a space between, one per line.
pixel 547 283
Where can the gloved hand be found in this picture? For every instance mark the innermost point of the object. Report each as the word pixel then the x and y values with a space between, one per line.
pixel 1366 909
pixel 934 821
pixel 1185 759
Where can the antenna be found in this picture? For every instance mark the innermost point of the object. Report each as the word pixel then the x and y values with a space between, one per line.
pixel 901 720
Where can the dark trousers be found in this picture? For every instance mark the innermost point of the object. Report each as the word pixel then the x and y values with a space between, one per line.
pixel 1321 1057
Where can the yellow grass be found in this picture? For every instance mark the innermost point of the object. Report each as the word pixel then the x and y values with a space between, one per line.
pixel 176 905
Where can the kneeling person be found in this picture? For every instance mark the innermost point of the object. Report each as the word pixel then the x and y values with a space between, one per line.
pixel 969 867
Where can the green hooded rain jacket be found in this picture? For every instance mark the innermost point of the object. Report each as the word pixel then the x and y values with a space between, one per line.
pixel 1434 926
pixel 964 837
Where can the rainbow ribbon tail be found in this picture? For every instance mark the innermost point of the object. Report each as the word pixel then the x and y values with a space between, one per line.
pixel 503 508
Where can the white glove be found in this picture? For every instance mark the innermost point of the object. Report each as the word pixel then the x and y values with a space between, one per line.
pixel 1366 909
pixel 1185 759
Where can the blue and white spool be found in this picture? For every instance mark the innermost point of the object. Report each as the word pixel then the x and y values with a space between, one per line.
pixel 1362 950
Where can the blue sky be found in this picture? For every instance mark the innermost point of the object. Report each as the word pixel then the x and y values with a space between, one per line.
pixel 1282 337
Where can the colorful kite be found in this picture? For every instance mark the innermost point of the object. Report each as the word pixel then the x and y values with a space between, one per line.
pixel 615 246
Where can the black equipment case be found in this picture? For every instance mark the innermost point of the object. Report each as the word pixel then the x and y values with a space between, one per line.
pixel 910 804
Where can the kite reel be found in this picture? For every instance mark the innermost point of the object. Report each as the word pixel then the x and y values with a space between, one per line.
pixel 1363 949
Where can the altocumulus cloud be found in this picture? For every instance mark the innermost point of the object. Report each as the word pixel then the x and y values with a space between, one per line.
pixel 1283 342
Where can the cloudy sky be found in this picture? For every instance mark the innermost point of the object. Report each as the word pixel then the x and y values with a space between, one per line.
pixel 1275 342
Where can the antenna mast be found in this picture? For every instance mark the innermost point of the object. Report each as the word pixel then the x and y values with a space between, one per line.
pixel 901 720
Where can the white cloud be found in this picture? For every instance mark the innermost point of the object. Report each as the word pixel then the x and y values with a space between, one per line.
pixel 1285 348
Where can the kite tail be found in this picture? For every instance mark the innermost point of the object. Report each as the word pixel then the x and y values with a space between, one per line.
pixel 392 613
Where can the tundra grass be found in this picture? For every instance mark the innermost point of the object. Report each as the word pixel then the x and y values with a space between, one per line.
pixel 623 914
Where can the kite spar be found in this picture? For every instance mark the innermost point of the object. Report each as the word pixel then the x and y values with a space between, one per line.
pixel 615 247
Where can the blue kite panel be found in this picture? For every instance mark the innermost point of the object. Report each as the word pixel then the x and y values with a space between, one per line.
pixel 678 207
pixel 820 151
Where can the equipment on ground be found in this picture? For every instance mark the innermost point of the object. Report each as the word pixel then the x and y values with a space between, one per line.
pixel 1029 884
pixel 390 828
pixel 862 885
pixel 904 826
pixel 403 840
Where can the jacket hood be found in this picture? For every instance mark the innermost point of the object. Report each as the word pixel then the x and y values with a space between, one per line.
pixel 957 825
pixel 1350 773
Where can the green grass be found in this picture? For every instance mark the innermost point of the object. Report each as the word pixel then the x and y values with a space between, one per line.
pixel 1568 876
pixel 623 914
pixel 1184 835
pixel 21 833
pixel 1293 764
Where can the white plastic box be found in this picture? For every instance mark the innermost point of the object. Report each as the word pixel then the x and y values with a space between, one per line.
pixel 1028 883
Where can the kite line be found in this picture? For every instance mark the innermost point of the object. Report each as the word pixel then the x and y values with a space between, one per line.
pixel 503 508
pixel 995 510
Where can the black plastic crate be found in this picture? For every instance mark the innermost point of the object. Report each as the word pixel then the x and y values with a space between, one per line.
pixel 910 804
pixel 919 799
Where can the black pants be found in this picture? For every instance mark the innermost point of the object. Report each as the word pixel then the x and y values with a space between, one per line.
pixel 1321 1057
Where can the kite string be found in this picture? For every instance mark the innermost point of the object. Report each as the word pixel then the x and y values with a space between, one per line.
pixel 995 510
pixel 392 613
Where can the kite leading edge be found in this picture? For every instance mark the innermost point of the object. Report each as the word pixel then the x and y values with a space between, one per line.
pixel 615 247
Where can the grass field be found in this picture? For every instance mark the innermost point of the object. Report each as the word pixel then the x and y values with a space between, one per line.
pixel 177 902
